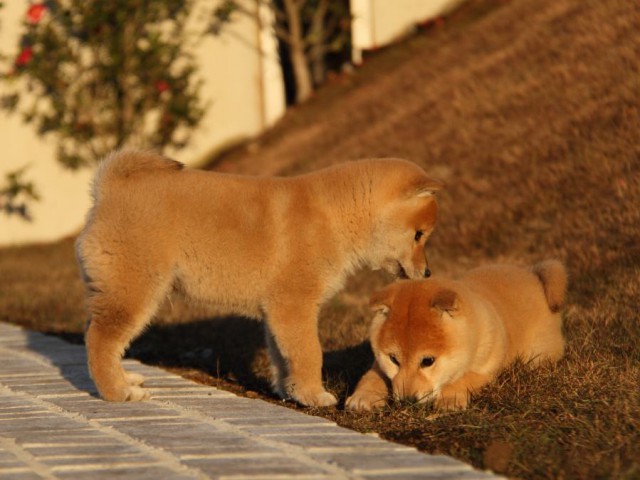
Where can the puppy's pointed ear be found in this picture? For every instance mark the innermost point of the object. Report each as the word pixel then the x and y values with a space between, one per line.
pixel 428 187
pixel 445 301
pixel 382 299
pixel 380 303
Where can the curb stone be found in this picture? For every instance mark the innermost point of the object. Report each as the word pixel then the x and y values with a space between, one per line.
pixel 52 425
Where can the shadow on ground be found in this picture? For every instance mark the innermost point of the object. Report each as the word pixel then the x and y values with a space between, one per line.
pixel 228 352
pixel 71 360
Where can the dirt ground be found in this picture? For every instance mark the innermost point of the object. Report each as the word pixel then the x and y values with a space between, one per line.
pixel 529 111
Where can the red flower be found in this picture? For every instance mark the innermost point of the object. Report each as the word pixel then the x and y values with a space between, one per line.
pixel 24 57
pixel 35 13
pixel 162 86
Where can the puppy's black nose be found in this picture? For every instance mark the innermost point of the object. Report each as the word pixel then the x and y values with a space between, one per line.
pixel 427 273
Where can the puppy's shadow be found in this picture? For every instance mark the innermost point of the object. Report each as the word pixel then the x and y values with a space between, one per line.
pixel 234 349
pixel 225 348
pixel 231 349
pixel 343 368
pixel 66 352
pixel 228 348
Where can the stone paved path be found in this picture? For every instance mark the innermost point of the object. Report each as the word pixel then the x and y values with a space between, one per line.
pixel 52 425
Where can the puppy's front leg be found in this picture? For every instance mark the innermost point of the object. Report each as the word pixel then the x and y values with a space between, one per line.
pixel 456 394
pixel 372 390
pixel 294 332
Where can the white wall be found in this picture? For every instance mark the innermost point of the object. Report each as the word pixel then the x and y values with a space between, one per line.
pixel 243 82
pixel 379 22
pixel 64 195
pixel 243 85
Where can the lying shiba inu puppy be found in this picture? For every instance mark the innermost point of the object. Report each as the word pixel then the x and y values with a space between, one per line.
pixel 262 247
pixel 441 339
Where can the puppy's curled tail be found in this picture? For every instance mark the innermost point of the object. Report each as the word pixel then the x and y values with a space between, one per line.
pixel 123 164
pixel 553 277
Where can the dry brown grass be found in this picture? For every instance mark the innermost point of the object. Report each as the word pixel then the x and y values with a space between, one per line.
pixel 530 111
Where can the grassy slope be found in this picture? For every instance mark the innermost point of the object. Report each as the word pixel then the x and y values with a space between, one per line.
pixel 529 110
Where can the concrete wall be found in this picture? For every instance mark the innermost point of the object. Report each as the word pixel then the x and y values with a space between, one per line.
pixel 243 81
pixel 243 85
pixel 379 22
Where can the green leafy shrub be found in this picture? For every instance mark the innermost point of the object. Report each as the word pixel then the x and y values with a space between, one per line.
pixel 102 74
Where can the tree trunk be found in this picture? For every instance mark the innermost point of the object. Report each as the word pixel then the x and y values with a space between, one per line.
pixel 317 37
pixel 299 63
pixel 304 86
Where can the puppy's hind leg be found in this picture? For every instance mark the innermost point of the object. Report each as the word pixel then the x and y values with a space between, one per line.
pixel 105 347
pixel 116 319
pixel 547 344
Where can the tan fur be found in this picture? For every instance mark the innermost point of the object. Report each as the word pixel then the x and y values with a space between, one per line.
pixel 262 247
pixel 473 328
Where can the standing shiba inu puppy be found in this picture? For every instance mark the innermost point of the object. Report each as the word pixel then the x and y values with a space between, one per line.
pixel 443 339
pixel 262 247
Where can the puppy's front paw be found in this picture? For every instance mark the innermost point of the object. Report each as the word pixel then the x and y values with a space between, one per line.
pixel 453 400
pixel 134 379
pixel 365 401
pixel 313 398
pixel 137 394
pixel 130 393
pixel 325 399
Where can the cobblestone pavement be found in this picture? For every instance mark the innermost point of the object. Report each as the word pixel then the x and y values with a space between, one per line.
pixel 52 425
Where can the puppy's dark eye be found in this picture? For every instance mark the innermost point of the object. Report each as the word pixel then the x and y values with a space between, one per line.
pixel 394 359
pixel 427 362
pixel 419 235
